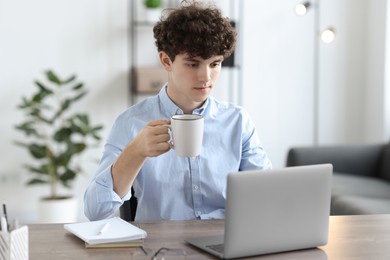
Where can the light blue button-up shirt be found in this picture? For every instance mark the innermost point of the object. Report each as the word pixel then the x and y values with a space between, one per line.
pixel 172 187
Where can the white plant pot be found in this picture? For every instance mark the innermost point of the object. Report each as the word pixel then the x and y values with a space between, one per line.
pixel 58 211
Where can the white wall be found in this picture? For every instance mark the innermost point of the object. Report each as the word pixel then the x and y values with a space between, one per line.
pixel 343 73
pixel 376 115
pixel 386 94
pixel 278 54
pixel 87 38
pixel 352 72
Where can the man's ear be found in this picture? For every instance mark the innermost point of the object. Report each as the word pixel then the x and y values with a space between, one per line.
pixel 165 61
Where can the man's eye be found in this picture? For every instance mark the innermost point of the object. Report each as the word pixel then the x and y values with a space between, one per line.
pixel 216 64
pixel 192 65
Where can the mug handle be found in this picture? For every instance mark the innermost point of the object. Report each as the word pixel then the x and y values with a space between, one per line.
pixel 170 142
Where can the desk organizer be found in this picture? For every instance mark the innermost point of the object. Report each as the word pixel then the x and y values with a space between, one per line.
pixel 14 244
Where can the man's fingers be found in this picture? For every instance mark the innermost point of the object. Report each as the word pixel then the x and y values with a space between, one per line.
pixel 158 149
pixel 155 138
pixel 159 122
pixel 161 138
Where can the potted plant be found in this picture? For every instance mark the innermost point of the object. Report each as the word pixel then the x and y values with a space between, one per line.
pixel 153 10
pixel 55 138
pixel 152 3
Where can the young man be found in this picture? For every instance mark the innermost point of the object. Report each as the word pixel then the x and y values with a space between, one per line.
pixel 192 42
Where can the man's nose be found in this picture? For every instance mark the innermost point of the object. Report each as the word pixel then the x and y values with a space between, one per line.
pixel 204 74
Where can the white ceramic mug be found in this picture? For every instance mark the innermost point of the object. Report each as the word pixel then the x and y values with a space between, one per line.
pixel 187 134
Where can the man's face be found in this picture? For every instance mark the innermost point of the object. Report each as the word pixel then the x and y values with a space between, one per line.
pixel 191 80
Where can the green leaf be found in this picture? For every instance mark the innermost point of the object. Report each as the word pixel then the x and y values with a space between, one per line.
pixel 76 147
pixel 68 175
pixel 97 128
pixel 37 98
pixel 28 128
pixel 37 151
pixel 63 159
pixel 51 76
pixel 44 169
pixel 37 115
pixel 77 125
pixel 78 86
pixel 24 103
pixel 83 118
pixel 94 132
pixel 96 137
pixel 45 90
pixel 63 134
pixel 82 94
pixel 65 105
pixel 70 79
pixel 35 112
pixel 36 181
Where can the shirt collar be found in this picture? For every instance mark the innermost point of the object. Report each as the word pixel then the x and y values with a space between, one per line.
pixel 172 108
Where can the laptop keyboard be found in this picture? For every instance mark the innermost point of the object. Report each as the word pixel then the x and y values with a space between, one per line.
pixel 219 247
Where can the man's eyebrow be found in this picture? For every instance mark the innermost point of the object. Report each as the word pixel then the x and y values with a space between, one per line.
pixel 195 59
pixel 218 60
pixel 188 58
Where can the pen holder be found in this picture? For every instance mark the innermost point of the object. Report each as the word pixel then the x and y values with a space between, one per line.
pixel 14 244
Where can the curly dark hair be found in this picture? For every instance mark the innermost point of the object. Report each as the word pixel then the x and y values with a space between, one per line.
pixel 195 29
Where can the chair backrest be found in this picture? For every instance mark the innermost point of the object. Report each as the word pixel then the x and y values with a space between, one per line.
pixel 129 208
pixel 385 166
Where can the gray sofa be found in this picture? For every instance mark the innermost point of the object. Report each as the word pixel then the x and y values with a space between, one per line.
pixel 361 179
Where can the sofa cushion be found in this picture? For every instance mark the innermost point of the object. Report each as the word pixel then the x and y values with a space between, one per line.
pixel 348 184
pixel 357 205
pixel 364 160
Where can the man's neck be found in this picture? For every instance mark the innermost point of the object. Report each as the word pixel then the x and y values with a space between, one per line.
pixel 186 107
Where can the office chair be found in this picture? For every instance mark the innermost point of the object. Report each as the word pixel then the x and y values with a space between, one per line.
pixel 129 208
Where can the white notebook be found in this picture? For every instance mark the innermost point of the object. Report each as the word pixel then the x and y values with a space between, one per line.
pixel 117 230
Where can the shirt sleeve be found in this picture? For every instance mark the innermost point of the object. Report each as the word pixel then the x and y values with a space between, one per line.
pixel 216 214
pixel 100 199
pixel 253 155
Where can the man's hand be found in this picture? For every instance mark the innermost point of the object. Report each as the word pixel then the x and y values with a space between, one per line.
pixel 153 139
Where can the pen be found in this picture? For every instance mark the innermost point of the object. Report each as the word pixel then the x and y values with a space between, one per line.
pixel 104 228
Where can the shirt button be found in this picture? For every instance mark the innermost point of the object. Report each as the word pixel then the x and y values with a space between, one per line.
pixel 195 187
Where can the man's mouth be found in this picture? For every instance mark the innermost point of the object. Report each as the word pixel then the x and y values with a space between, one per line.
pixel 203 87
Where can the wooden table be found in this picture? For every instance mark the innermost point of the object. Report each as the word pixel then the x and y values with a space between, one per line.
pixel 350 237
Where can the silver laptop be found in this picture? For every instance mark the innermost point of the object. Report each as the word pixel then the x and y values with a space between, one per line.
pixel 273 211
